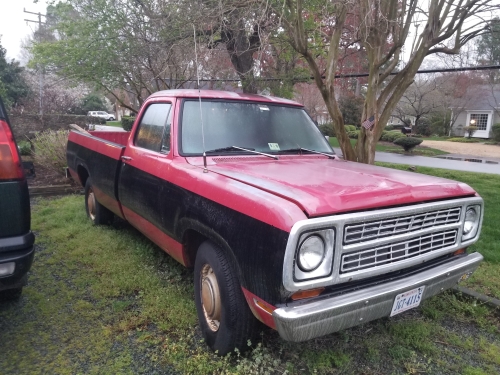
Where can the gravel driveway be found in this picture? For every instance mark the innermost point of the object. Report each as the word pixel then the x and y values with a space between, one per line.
pixel 476 149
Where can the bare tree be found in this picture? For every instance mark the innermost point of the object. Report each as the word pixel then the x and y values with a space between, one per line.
pixel 419 100
pixel 381 29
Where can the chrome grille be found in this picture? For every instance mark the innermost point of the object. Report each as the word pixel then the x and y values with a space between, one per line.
pixel 373 230
pixel 398 251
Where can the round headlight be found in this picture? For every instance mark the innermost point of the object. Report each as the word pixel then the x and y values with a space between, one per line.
pixel 311 253
pixel 471 220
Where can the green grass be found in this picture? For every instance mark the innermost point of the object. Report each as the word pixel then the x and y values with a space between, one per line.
pixel 118 124
pixel 389 147
pixel 437 138
pixel 105 300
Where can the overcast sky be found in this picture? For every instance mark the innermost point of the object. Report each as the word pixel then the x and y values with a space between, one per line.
pixel 13 27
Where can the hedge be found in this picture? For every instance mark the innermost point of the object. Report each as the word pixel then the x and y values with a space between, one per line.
pixel 463 140
pixel 407 143
pixel 96 120
pixel 127 123
pixel 353 134
pixel 350 128
pixel 391 136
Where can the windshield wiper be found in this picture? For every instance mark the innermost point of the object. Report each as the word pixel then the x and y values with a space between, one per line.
pixel 300 149
pixel 229 148
pixel 236 148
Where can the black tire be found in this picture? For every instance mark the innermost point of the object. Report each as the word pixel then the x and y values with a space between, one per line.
pixel 228 323
pixel 11 294
pixel 96 212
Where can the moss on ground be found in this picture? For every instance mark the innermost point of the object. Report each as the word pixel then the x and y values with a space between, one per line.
pixel 105 300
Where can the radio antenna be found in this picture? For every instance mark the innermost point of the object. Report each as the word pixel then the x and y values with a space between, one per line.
pixel 205 170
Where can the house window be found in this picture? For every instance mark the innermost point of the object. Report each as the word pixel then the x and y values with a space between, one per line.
pixel 481 120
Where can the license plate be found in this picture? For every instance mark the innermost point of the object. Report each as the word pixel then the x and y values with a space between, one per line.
pixel 407 300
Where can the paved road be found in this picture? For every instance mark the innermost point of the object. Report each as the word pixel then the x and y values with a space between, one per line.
pixel 106 128
pixel 424 161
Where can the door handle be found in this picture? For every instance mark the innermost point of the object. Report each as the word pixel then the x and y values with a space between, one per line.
pixel 126 158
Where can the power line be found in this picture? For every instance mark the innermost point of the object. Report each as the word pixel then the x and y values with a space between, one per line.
pixel 357 75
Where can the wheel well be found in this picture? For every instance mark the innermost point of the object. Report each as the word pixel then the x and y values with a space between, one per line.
pixel 192 241
pixel 83 174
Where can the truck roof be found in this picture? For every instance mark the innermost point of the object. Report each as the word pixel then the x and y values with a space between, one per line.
pixel 218 94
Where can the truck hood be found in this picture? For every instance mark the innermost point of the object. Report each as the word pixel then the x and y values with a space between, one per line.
pixel 321 186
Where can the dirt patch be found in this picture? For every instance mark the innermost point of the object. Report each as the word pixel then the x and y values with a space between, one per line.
pixel 475 149
pixel 47 177
pixel 45 180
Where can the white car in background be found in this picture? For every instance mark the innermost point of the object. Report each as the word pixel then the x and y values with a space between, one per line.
pixel 105 115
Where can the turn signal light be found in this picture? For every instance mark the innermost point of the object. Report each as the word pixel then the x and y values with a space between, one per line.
pixel 10 164
pixel 307 293
pixel 459 251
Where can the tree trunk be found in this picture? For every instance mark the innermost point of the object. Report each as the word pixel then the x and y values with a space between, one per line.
pixel 241 48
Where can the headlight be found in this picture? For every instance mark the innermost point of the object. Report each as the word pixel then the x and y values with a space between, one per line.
pixel 311 253
pixel 471 222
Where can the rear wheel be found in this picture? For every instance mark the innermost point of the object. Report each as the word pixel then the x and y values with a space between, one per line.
pixel 97 213
pixel 225 318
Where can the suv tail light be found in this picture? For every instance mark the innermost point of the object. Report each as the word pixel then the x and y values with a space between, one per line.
pixel 10 164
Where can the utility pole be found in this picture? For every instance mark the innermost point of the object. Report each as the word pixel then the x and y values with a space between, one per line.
pixel 42 73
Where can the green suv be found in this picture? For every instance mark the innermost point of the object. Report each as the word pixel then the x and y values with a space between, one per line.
pixel 16 238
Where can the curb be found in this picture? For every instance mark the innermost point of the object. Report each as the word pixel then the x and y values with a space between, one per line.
pixel 493 302
pixel 47 191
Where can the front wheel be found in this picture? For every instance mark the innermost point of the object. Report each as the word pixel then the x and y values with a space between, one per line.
pixel 96 212
pixel 225 319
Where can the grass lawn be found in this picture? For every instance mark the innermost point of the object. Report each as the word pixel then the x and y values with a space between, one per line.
pixel 105 300
pixel 389 147
pixel 114 123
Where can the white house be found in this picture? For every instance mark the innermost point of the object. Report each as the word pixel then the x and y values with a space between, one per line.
pixel 482 109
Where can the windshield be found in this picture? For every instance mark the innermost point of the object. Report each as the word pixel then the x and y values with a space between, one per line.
pixel 258 126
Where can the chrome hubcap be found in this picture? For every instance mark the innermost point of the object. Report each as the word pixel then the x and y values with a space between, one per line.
pixel 91 204
pixel 210 297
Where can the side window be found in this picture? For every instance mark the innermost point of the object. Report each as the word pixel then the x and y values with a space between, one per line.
pixel 151 128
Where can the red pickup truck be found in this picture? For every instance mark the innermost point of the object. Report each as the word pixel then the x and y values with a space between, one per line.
pixel 245 189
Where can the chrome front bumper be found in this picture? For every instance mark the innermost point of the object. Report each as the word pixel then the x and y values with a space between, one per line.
pixel 307 321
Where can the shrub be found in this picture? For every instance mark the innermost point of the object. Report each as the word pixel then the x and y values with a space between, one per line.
pixel 389 128
pixel 325 129
pixel 407 143
pixel 396 135
pixel 127 123
pixel 24 147
pixel 383 135
pixel 350 128
pixel 50 150
pixel 96 120
pixel 470 130
pixel 495 132
pixel 353 134
pixel 391 136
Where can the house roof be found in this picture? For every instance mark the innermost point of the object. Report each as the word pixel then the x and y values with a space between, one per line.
pixel 483 97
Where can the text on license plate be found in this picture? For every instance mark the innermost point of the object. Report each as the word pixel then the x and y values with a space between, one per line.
pixel 407 300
